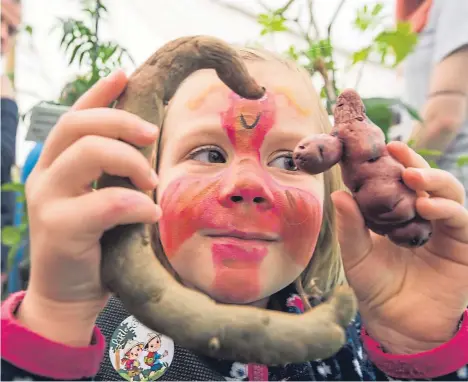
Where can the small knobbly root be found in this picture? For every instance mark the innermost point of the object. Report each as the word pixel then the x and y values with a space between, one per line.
pixel 373 176
pixel 131 270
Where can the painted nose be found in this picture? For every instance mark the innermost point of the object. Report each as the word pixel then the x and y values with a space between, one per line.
pixel 246 185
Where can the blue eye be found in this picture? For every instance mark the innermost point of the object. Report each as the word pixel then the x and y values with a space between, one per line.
pixel 284 162
pixel 209 154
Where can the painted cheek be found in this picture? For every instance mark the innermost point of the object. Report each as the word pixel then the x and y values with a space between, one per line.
pixel 184 202
pixel 301 217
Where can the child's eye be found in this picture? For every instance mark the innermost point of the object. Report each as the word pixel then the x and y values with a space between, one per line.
pixel 208 154
pixel 284 162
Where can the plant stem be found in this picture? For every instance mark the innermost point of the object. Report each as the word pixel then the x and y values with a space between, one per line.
pixel 284 8
pixel 360 73
pixel 97 16
pixel 329 31
pixel 312 23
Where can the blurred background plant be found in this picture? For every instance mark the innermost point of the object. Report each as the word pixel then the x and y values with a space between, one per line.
pixel 81 43
pixel 96 58
pixel 389 46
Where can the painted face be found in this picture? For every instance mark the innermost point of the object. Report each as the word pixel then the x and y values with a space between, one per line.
pixel 240 222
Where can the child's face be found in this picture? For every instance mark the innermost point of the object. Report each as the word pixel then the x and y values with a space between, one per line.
pixel 239 221
pixel 135 352
pixel 154 345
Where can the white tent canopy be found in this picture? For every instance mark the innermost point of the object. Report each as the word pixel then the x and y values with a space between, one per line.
pixel 142 26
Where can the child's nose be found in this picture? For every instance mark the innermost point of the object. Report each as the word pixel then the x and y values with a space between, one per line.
pixel 246 185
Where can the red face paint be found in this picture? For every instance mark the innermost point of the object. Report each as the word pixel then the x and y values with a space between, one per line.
pixel 241 198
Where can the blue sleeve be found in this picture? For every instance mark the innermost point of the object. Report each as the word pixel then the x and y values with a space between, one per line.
pixel 9 113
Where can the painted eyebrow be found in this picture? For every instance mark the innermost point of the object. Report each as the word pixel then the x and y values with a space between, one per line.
pixel 197 101
pixel 283 90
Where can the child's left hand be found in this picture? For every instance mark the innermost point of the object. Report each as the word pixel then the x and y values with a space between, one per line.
pixel 411 300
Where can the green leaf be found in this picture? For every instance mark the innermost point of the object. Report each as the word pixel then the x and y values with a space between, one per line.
pixel 379 111
pixel 28 29
pixel 462 160
pixel 361 55
pixel 377 9
pixel 271 23
pixel 429 153
pixel 368 19
pixel 20 198
pixel 75 51
pixel 71 42
pixel 411 111
pixel 81 57
pixel 432 163
pixel 400 42
pixel 292 53
pixel 11 235
pixel 16 187
pixel 23 227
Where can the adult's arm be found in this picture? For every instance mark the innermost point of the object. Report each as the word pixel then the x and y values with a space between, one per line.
pixel 446 107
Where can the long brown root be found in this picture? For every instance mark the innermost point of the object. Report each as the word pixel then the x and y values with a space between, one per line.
pixel 131 270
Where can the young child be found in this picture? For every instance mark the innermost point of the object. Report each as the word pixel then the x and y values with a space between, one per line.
pixel 130 360
pixel 227 162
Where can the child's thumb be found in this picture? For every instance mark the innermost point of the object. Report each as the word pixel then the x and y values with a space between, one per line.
pixel 353 235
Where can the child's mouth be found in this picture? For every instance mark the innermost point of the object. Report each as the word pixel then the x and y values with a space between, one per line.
pixel 239 249
pixel 241 235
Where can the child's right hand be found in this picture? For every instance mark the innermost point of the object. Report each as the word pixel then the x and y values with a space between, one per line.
pixel 67 217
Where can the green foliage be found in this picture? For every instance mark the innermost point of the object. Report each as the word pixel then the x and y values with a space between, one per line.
pixel 388 45
pixel 13 236
pixel 462 160
pixel 81 44
pixel 271 22
pixel 28 29
pixel 369 18
pixel 392 44
pixel 379 111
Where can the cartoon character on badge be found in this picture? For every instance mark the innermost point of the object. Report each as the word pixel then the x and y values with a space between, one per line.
pixel 130 360
pixel 152 359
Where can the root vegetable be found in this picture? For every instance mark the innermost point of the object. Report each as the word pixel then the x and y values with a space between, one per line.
pixel 131 270
pixel 373 176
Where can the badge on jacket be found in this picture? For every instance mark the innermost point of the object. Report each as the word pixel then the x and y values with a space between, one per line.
pixel 138 353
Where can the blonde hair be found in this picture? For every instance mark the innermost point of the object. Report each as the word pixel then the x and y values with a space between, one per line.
pixel 324 271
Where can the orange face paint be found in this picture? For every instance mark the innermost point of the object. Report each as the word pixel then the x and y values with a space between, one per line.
pixel 242 199
pixel 291 100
